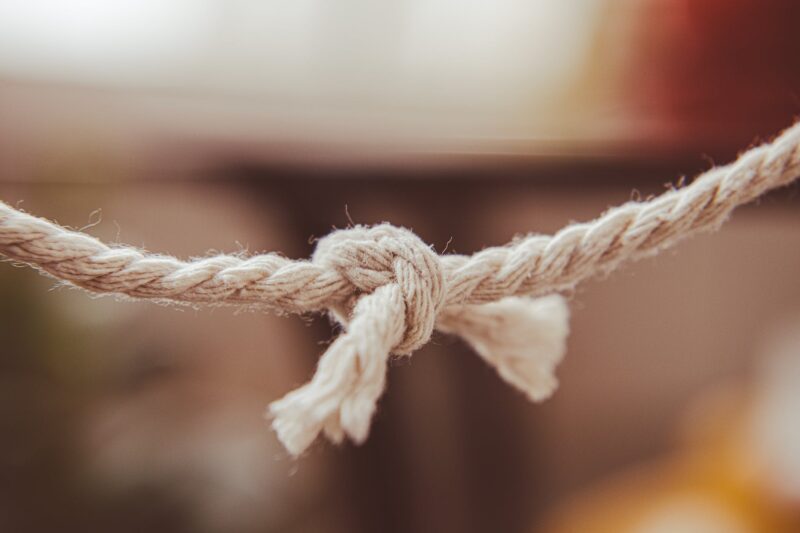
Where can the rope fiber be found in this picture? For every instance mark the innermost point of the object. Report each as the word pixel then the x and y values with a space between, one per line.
pixel 390 290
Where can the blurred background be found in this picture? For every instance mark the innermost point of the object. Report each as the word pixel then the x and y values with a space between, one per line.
pixel 187 126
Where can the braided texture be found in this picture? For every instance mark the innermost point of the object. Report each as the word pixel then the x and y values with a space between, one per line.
pixel 390 290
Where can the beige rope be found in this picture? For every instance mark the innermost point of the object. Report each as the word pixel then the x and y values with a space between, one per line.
pixel 391 290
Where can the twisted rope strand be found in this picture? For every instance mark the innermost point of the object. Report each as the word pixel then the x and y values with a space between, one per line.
pixel 541 264
pixel 535 265
pixel 390 290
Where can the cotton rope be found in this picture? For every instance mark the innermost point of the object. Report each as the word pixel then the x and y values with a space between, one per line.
pixel 390 290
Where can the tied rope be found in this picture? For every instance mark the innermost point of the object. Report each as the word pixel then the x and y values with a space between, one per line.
pixel 390 291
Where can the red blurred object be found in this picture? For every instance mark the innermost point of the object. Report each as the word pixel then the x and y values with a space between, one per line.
pixel 719 69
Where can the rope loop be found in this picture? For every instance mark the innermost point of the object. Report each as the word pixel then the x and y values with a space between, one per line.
pixel 371 257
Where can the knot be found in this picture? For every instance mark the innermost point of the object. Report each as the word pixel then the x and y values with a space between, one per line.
pixel 398 297
pixel 371 257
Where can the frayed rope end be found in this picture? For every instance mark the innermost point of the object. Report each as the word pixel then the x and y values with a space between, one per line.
pixel 523 338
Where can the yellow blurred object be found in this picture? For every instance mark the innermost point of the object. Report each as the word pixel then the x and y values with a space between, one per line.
pixel 713 483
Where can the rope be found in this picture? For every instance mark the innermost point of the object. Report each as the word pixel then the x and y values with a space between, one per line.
pixel 391 291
